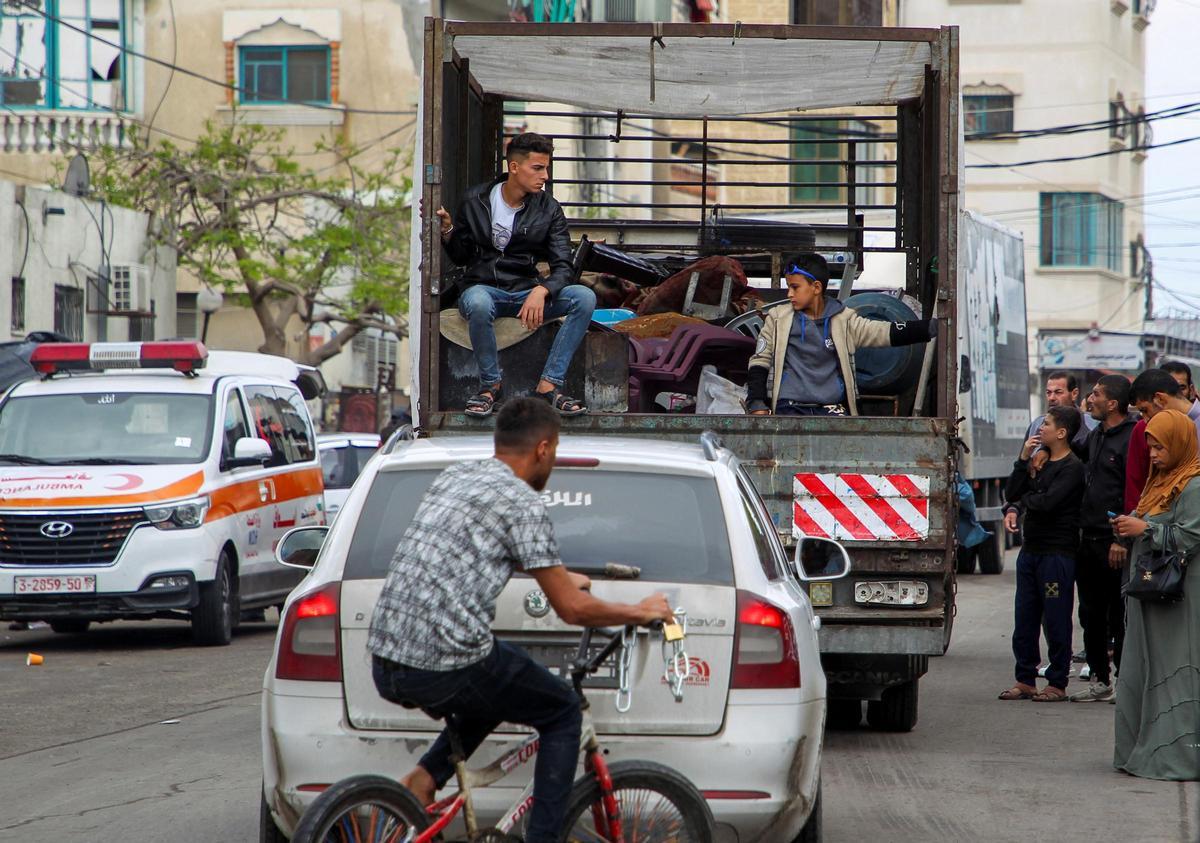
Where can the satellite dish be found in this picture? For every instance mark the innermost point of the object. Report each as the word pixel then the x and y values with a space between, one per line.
pixel 78 181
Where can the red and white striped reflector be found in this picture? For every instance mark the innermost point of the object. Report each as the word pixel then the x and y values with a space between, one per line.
pixel 861 507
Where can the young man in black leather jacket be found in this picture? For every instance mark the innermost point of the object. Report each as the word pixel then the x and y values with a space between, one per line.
pixel 499 233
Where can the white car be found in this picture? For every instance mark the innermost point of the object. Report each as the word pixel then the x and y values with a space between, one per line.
pixel 343 456
pixel 749 730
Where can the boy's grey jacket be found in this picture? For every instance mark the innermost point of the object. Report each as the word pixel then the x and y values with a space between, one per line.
pixel 849 332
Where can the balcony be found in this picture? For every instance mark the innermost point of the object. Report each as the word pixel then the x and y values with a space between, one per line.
pixel 43 130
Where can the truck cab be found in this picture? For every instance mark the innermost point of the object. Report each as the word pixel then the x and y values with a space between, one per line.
pixel 153 480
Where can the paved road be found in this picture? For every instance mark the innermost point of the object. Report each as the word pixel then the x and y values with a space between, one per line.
pixel 87 752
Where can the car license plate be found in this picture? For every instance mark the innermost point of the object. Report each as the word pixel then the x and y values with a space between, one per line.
pixel 557 658
pixel 72 584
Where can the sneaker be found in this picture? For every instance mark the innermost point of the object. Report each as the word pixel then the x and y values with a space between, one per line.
pixel 1085 673
pixel 1095 692
pixel 1043 668
pixel 1080 657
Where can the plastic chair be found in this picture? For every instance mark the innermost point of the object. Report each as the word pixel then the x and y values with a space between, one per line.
pixel 691 346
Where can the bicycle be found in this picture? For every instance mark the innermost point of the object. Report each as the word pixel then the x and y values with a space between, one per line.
pixel 625 802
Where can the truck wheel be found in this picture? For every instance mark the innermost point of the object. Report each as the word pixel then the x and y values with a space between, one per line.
pixel 964 559
pixel 212 619
pixel 843 714
pixel 896 711
pixel 991 552
pixel 70 627
pixel 813 831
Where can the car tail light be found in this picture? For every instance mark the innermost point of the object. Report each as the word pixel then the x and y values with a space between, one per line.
pixel 764 644
pixel 52 357
pixel 308 646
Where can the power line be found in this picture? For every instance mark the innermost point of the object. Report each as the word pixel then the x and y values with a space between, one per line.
pixel 1092 126
pixel 29 4
pixel 1066 158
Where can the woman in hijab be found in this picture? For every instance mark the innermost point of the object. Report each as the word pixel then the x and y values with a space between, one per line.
pixel 1158 696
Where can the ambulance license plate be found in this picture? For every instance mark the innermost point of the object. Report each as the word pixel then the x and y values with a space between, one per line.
pixel 81 584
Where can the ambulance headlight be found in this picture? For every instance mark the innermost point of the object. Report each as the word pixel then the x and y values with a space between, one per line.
pixel 179 515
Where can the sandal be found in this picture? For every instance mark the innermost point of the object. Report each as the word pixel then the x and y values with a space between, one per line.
pixel 1019 691
pixel 1050 694
pixel 566 405
pixel 481 405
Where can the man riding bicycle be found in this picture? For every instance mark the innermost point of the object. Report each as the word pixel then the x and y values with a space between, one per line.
pixel 431 638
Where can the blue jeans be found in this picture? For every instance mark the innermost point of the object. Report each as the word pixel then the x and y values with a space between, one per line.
pixel 506 687
pixel 480 306
pixel 1044 600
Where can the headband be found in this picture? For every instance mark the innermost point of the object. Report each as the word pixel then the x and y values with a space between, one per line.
pixel 795 270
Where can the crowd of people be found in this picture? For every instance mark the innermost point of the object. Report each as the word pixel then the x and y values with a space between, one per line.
pixel 1091 495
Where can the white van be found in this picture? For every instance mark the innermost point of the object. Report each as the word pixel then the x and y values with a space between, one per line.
pixel 150 480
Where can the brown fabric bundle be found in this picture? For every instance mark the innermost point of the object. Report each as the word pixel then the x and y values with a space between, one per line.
pixel 660 325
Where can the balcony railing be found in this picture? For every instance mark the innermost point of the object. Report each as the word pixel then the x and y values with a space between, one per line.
pixel 53 131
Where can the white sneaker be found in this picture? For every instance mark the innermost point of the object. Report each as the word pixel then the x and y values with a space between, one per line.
pixel 1043 668
pixel 1085 673
pixel 1095 692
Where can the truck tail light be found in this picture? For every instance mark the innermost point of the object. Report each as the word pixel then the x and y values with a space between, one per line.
pixel 764 645
pixel 308 646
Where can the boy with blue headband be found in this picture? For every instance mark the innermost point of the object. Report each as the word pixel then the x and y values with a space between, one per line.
pixel 808 349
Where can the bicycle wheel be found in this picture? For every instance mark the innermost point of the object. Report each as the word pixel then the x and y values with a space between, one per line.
pixel 362 809
pixel 657 805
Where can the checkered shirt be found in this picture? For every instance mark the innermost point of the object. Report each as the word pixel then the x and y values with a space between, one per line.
pixel 477 524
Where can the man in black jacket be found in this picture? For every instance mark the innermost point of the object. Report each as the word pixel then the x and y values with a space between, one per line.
pixel 500 232
pixel 1101 558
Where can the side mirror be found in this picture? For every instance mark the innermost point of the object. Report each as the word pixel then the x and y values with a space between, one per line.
pixel 821 559
pixel 299 546
pixel 249 450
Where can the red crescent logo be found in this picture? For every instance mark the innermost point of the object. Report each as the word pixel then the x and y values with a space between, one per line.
pixel 132 481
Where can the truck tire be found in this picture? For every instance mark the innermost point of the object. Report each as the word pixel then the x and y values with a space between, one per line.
pixel 991 552
pixel 213 617
pixel 964 559
pixel 896 710
pixel 70 626
pixel 813 831
pixel 268 832
pixel 843 714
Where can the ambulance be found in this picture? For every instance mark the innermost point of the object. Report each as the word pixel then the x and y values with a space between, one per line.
pixel 153 480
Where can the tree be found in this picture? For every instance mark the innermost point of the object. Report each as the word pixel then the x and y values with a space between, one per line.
pixel 324 246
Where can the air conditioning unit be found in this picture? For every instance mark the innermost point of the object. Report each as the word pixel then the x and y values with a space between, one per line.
pixel 129 288
pixel 631 11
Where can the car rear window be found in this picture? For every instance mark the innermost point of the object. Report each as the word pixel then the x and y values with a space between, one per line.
pixel 341 466
pixel 671 526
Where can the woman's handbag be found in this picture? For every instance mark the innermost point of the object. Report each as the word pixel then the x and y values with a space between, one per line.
pixel 1157 575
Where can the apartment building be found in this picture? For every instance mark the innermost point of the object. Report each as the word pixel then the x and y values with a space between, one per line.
pixel 100 71
pixel 1031 64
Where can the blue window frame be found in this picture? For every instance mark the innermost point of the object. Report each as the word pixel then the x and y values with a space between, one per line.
pixel 987 113
pixel 277 75
pixel 1082 229
pixel 63 54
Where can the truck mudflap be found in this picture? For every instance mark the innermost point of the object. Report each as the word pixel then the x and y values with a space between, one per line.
pixel 858 676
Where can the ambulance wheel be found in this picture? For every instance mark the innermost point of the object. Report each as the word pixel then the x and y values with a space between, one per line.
pixel 213 617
